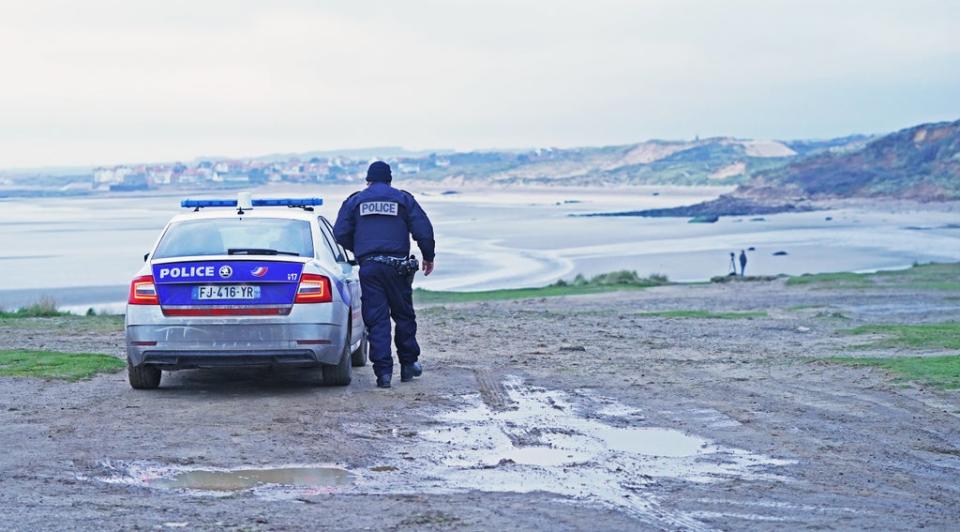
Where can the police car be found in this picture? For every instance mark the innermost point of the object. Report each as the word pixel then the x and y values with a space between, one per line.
pixel 247 282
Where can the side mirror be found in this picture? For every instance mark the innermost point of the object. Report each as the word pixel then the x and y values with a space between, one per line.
pixel 353 262
pixel 145 257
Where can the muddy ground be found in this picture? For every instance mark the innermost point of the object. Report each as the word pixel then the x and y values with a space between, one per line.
pixel 563 414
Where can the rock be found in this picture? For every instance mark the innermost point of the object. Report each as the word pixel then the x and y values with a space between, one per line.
pixel 779 253
pixel 706 219
pixel 723 206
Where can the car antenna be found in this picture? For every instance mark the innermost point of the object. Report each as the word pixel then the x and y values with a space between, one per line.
pixel 243 202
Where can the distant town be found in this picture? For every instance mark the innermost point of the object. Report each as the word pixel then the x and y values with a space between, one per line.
pixel 242 173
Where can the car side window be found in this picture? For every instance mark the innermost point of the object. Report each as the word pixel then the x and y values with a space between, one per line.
pixel 332 245
pixel 347 256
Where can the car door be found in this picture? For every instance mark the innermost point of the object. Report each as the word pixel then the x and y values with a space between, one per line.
pixel 351 275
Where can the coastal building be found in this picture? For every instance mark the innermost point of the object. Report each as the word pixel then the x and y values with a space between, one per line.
pixel 104 177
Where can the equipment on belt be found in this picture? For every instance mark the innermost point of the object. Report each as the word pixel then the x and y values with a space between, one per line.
pixel 405 267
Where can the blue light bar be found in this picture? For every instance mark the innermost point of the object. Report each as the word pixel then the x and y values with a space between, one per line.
pixel 288 202
pixel 196 204
pixel 278 202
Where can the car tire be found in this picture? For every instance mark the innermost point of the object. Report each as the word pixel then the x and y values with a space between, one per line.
pixel 362 354
pixel 143 377
pixel 339 375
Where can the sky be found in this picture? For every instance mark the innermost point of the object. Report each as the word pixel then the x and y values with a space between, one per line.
pixel 117 81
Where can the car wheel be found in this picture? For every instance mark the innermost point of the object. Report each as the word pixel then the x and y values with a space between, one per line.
pixel 360 356
pixel 143 377
pixel 339 375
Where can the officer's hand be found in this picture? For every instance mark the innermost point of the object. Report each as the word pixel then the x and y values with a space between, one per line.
pixel 427 267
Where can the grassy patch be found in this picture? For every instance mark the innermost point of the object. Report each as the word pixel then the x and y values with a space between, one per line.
pixel 703 314
pixel 607 282
pixel 55 365
pixel 744 279
pixel 941 372
pixel 67 323
pixel 838 277
pixel 44 308
pixel 921 336
pixel 430 296
pixel 941 277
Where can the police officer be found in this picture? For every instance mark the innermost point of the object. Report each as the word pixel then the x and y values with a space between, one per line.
pixel 376 224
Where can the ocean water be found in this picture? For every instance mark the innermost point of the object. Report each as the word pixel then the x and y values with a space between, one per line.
pixel 83 251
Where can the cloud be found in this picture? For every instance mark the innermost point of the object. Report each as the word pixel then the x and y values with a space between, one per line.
pixel 104 81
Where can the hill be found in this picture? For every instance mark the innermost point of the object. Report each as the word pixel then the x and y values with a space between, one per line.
pixel 920 162
pixel 717 160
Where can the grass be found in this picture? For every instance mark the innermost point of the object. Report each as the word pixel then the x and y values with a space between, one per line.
pixel 56 365
pixel 43 308
pixel 942 277
pixel 921 336
pixel 941 371
pixel 703 314
pixel 63 323
pixel 430 296
pixel 607 282
pixel 743 279
pixel 839 277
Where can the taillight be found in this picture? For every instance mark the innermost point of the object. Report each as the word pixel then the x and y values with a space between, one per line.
pixel 313 289
pixel 143 291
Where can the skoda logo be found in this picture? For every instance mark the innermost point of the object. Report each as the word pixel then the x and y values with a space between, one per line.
pixel 225 271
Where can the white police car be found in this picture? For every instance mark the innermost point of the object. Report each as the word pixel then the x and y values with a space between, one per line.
pixel 245 283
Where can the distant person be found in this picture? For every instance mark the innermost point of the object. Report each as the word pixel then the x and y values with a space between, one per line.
pixel 376 224
pixel 733 263
pixel 743 262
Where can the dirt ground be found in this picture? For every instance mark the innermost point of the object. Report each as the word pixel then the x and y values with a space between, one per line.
pixel 573 413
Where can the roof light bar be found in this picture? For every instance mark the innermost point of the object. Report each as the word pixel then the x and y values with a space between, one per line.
pixel 196 204
pixel 274 202
pixel 288 202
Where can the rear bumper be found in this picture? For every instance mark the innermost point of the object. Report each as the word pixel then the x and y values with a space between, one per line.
pixel 206 359
pixel 176 346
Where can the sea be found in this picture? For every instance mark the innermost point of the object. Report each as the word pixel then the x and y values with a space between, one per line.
pixel 83 251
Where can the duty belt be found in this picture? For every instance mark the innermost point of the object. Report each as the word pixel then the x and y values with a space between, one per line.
pixel 404 266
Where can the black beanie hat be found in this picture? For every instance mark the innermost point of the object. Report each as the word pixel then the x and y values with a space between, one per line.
pixel 379 172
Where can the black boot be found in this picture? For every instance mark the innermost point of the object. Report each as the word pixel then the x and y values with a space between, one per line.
pixel 383 381
pixel 409 371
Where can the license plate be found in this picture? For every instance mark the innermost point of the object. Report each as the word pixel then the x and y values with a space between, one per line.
pixel 226 291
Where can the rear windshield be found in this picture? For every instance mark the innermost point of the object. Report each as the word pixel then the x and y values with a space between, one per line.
pixel 237 236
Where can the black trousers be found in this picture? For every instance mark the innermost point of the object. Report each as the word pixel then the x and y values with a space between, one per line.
pixel 385 295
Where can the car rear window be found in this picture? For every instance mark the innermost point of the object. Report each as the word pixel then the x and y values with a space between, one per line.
pixel 253 236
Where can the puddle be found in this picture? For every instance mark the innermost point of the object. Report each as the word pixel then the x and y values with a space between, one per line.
pixel 272 482
pixel 545 442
